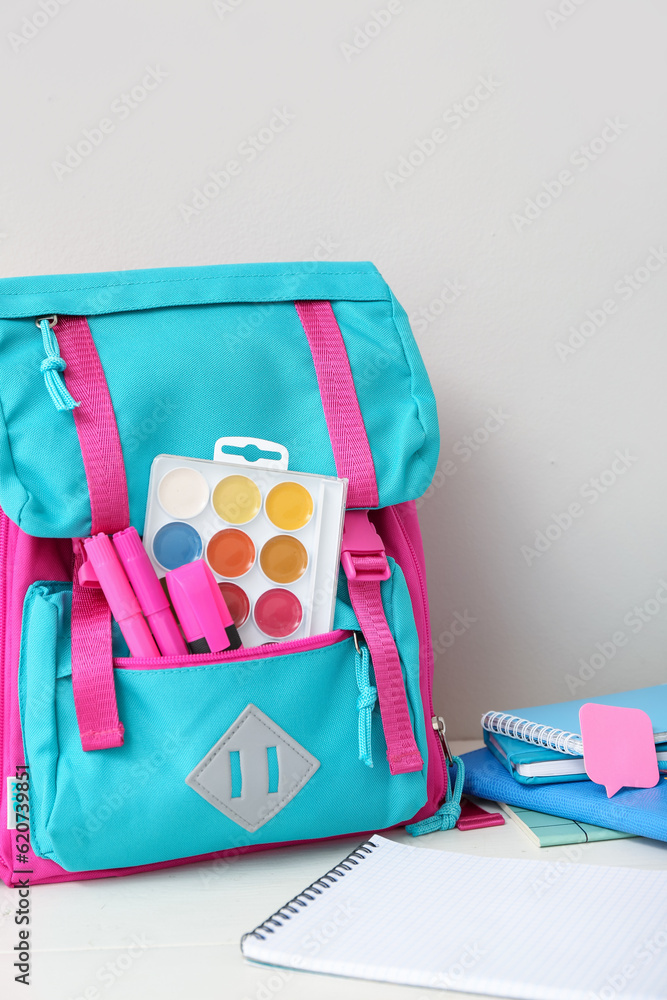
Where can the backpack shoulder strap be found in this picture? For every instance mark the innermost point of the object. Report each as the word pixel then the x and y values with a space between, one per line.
pixel 363 556
pixel 92 659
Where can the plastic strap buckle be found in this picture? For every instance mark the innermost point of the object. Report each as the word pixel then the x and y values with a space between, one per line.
pixel 362 553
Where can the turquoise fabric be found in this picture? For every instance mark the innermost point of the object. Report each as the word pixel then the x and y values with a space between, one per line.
pixel 130 805
pixel 122 291
pixel 193 354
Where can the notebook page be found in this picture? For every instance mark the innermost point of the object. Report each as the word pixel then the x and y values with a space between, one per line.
pixel 528 929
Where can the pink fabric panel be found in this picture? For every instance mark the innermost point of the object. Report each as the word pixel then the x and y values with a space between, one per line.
pixel 349 441
pixel 28 559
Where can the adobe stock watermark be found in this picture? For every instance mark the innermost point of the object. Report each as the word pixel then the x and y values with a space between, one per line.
pixel 255 318
pixel 364 34
pixel 453 117
pixel 107 975
pixel 113 800
pixel 272 986
pixel 553 872
pixel 636 619
pixel 211 871
pixel 32 24
pixel 258 316
pixel 421 318
pixel 142 432
pixel 224 7
pixel 591 491
pixel 6 909
pixel 581 158
pixel 452 978
pixel 247 152
pixel 625 289
pixel 465 449
pixel 642 955
pixel 459 625
pixel 317 939
pixel 562 12
pixel 120 109
pixel 323 248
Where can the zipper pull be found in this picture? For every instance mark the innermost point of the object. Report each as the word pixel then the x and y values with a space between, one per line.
pixel 367 698
pixel 54 365
pixel 438 724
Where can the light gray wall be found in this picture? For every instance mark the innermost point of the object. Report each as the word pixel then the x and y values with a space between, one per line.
pixel 356 90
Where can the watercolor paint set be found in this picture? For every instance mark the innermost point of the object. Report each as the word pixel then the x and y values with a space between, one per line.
pixel 270 536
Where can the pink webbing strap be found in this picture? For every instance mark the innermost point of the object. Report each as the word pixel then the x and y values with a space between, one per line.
pixel 363 555
pixel 349 440
pixel 96 426
pixel 92 668
pixel 92 661
pixel 365 563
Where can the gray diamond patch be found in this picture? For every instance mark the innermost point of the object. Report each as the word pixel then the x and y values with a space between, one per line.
pixel 253 770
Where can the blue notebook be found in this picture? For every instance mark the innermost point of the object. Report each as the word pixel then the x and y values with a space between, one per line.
pixel 550 733
pixel 642 811
pixel 533 765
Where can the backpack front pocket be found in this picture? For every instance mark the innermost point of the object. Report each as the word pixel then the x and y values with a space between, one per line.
pixel 221 751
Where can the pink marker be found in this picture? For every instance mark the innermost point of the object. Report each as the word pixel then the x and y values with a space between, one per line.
pixel 152 598
pixel 205 619
pixel 120 596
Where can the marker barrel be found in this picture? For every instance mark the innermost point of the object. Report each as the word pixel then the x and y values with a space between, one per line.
pixel 152 598
pixel 120 596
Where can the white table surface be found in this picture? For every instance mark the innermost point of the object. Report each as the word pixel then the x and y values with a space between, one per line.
pixel 174 934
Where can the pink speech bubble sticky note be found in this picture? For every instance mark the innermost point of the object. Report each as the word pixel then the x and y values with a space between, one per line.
pixel 619 749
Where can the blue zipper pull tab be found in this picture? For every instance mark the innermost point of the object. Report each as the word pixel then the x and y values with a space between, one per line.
pixel 54 365
pixel 367 698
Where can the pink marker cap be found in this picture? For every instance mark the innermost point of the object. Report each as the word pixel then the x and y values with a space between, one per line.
pixel 152 598
pixel 201 609
pixel 120 596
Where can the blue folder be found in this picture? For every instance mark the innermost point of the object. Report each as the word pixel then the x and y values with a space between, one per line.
pixel 642 811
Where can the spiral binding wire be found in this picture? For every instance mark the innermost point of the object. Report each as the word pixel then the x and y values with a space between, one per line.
pixel 303 898
pixel 531 732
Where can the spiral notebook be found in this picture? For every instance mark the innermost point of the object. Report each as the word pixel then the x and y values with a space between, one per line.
pixel 555 727
pixel 501 927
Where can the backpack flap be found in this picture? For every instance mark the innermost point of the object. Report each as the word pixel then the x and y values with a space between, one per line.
pixel 193 354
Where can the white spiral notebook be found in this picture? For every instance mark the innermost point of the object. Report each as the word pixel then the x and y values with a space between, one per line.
pixel 553 726
pixel 502 927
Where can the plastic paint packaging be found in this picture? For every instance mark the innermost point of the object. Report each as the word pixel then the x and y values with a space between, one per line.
pixel 270 536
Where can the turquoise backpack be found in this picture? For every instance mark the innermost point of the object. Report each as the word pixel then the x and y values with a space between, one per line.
pixel 102 372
